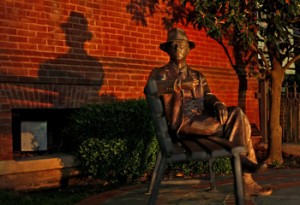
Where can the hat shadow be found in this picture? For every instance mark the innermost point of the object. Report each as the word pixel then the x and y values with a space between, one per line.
pixel 76 30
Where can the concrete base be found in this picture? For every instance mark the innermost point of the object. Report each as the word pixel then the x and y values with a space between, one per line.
pixel 289 148
pixel 37 172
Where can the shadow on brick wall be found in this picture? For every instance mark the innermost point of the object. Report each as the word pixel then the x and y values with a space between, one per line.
pixel 83 73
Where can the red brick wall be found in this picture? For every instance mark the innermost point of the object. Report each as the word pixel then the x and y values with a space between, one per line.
pixel 47 60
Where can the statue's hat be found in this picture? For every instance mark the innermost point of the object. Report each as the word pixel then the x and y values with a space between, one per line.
pixel 176 34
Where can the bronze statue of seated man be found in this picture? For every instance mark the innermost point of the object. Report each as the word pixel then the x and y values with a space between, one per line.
pixel 192 110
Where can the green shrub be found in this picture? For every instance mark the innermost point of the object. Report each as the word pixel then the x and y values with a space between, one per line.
pixel 221 166
pixel 110 159
pixel 114 140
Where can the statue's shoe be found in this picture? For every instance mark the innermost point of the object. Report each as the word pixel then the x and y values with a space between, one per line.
pixel 250 167
pixel 253 189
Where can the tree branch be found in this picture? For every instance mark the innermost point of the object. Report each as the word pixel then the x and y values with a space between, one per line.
pixel 263 57
pixel 291 62
pixel 226 52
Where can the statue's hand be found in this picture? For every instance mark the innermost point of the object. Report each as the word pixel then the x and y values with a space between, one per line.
pixel 185 85
pixel 221 112
pixel 190 84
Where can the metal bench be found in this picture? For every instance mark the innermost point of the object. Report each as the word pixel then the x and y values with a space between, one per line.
pixel 192 149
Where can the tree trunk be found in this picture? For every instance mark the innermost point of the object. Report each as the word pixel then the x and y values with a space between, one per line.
pixel 275 140
pixel 240 69
pixel 243 86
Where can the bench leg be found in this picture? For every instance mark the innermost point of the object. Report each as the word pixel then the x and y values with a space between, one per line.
pixel 156 178
pixel 212 174
pixel 238 180
pixel 154 174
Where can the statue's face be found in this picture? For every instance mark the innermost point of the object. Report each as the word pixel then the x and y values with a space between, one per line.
pixel 178 50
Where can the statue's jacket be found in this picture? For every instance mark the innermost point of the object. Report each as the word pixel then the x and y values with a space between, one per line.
pixel 187 111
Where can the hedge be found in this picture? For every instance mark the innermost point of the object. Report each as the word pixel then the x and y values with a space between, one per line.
pixel 116 142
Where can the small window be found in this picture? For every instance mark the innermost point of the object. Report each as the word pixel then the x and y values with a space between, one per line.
pixel 38 131
pixel 34 136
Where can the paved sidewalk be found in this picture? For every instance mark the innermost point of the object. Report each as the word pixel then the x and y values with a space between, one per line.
pixel 285 184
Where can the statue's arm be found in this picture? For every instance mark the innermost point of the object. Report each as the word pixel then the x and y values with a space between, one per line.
pixel 209 98
pixel 163 84
pixel 213 105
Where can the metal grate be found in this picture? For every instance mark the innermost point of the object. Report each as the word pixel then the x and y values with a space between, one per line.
pixel 290 114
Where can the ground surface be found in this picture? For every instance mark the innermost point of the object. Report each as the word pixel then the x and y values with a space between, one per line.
pixel 83 187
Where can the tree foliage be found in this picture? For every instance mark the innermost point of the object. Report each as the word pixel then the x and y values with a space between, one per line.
pixel 241 23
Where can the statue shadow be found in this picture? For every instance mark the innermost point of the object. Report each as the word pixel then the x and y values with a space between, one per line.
pixel 76 68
